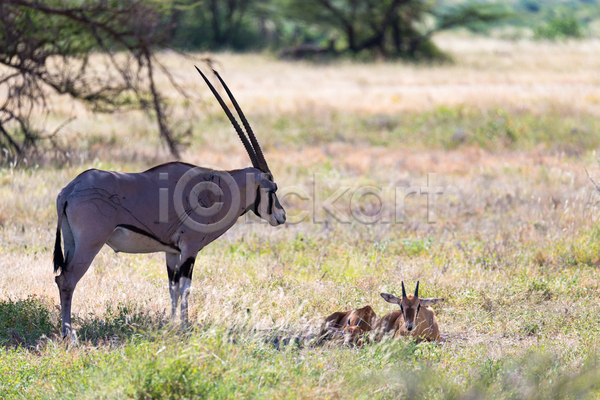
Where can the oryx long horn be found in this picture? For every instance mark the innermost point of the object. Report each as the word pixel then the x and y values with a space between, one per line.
pixel 403 290
pixel 253 140
pixel 417 290
pixel 239 131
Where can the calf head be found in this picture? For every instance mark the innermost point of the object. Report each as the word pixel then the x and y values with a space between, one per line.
pixel 410 305
pixel 353 335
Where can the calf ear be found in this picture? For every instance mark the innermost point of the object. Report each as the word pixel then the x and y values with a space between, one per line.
pixel 390 298
pixel 430 302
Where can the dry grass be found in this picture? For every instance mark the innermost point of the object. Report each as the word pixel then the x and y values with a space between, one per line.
pixel 514 250
pixel 529 76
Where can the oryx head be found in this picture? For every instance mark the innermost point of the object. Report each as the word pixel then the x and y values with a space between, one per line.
pixel 410 305
pixel 266 203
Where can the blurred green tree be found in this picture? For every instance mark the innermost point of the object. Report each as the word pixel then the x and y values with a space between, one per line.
pixel 389 28
pixel 219 24
pixel 561 27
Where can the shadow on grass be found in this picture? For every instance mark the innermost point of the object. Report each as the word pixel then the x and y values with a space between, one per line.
pixel 118 325
pixel 31 321
pixel 24 322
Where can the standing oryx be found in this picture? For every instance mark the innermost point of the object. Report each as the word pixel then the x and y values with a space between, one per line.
pixel 175 208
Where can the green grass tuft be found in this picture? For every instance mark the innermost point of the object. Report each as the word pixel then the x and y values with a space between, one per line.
pixel 23 322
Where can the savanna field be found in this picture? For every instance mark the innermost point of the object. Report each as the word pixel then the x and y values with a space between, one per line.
pixel 511 130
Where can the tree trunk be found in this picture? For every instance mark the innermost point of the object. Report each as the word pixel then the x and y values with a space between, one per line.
pixel 216 23
pixel 351 38
pixel 397 35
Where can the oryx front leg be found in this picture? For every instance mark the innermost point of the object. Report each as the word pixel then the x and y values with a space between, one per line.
pixel 173 263
pixel 185 285
pixel 180 282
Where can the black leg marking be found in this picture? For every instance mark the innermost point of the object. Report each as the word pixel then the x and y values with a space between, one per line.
pixel 171 274
pixel 187 268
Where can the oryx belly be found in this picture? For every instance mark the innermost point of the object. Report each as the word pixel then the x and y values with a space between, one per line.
pixel 128 241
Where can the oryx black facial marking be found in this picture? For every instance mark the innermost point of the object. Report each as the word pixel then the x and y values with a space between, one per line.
pixel 270 204
pixel 257 202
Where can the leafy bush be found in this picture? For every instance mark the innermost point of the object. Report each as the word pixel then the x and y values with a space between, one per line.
pixel 562 27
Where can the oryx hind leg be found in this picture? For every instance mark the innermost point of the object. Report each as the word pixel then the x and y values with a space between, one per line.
pixel 81 246
pixel 79 263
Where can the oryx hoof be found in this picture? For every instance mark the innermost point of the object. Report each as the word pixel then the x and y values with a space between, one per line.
pixel 70 337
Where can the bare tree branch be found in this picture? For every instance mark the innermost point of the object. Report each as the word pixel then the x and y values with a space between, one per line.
pixel 47 45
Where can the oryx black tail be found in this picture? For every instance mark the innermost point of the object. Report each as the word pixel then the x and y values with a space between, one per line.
pixel 59 259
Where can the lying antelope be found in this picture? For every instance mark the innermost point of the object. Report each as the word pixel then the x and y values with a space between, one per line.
pixel 415 318
pixel 152 211
pixel 349 325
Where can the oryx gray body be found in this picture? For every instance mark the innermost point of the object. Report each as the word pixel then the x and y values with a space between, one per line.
pixel 175 208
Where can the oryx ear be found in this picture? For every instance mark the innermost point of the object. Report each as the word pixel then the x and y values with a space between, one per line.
pixel 430 302
pixel 390 298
